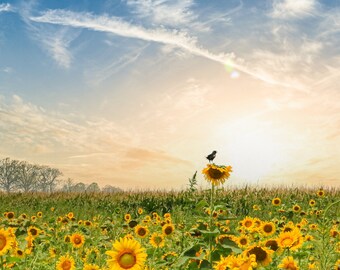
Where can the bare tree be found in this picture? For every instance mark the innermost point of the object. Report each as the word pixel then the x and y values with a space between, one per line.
pixel 27 178
pixel 8 174
pixel 48 178
pixel 67 187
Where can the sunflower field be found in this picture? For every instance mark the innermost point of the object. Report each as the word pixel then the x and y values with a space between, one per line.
pixel 218 228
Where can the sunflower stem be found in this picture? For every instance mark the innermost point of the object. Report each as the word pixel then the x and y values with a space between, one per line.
pixel 211 221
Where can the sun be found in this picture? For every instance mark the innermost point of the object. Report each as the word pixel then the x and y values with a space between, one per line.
pixel 254 150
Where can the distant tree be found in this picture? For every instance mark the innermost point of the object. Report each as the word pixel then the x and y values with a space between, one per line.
pixel 48 178
pixel 110 189
pixel 79 187
pixel 8 174
pixel 27 176
pixel 93 187
pixel 67 187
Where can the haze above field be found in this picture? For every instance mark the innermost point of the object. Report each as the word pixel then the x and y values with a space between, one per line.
pixel 135 93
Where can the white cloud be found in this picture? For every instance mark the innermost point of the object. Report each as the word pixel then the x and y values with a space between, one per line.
pixel 293 8
pixel 5 7
pixel 160 35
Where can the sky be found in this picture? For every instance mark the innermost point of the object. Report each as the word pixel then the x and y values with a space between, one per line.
pixel 136 93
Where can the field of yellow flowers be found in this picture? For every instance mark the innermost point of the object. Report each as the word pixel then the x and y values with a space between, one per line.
pixel 220 229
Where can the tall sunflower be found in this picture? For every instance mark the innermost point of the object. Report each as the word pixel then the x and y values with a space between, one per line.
pixel 6 241
pixel 126 254
pixel 141 231
pixel 216 174
pixel 66 263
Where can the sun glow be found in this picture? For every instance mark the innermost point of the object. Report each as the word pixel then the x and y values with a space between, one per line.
pixel 254 150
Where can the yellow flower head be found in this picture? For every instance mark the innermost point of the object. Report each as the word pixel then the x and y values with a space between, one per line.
pixel 77 240
pixel 276 201
pixel 168 229
pixel 91 267
pixel 157 240
pixel 126 254
pixel 66 263
pixel 141 231
pixel 6 241
pixel 216 174
pixel 289 264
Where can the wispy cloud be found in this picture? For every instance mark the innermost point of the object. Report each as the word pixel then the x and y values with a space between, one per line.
pixel 6 7
pixel 98 75
pixel 165 12
pixel 293 9
pixel 54 41
pixel 104 146
pixel 160 35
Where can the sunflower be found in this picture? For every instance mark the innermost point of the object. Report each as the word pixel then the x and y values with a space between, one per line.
pixel 291 240
pixel 157 240
pixel 268 228
pixel 77 240
pixel 337 265
pixel 216 174
pixel 242 241
pixel 88 223
pixel 66 263
pixel 126 254
pixel 296 208
pixel 127 217
pixel 276 201
pixel 70 215
pixel 169 256
pixel 90 267
pixel 168 229
pixel 320 193
pixel 313 226
pixel 140 211
pixel 247 223
pixel 289 264
pixel 39 214
pixel 263 254
pixel 33 231
pixel 141 231
pixel 6 241
pixel 312 202
pixel 53 252
pixel 10 215
pixel 19 253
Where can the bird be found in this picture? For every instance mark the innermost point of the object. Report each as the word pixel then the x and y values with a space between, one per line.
pixel 211 156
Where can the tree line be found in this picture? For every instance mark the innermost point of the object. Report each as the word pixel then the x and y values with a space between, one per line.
pixel 23 176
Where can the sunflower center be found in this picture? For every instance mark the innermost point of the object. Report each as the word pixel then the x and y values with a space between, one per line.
pixel 33 232
pixel 66 265
pixel 141 232
pixel 215 173
pixel 127 260
pixel 168 230
pixel 260 254
pixel 243 241
pixel 3 242
pixel 268 228
pixel 272 244
pixel 77 240
pixel 291 266
pixel 248 224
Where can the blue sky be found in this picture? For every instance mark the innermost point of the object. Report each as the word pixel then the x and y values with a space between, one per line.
pixel 135 93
